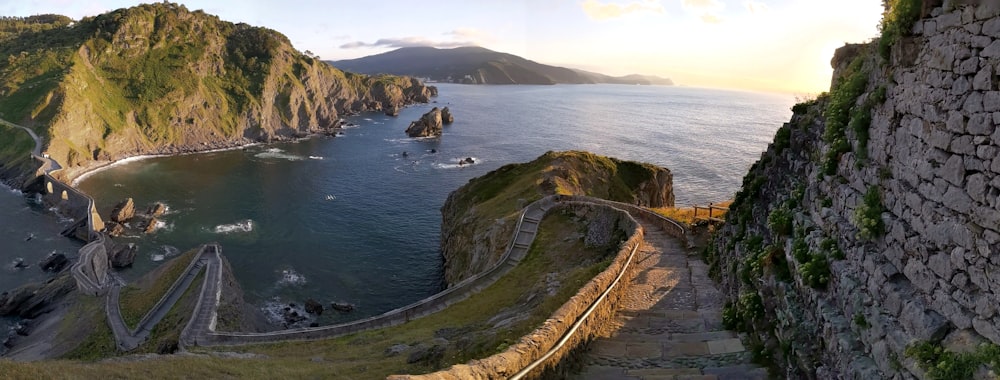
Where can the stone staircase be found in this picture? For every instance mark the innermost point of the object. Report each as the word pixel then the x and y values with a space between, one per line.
pixel 670 324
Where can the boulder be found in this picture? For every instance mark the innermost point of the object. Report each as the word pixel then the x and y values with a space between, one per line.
pixel 342 306
pixel 446 116
pixel 314 307
pixel 122 256
pixel 114 229
pixel 54 262
pixel 156 210
pixel 151 226
pixel 123 211
pixel 429 125
pixel 392 111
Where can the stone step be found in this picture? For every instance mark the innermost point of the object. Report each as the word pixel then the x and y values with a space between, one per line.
pixel 738 372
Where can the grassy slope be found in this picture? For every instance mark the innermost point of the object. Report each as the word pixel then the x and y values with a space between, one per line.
pixel 136 299
pixel 498 194
pixel 362 355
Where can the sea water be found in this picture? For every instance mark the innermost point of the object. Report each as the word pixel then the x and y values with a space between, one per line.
pixel 355 218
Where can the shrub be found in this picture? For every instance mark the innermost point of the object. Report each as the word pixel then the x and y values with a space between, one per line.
pixel 897 21
pixel 868 216
pixel 780 221
pixel 839 111
pixel 816 271
pixel 944 364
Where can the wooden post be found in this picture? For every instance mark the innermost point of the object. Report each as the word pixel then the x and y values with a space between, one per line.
pixel 710 211
pixel 695 217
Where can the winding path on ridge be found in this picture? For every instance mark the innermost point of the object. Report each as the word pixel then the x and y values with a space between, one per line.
pixel 669 325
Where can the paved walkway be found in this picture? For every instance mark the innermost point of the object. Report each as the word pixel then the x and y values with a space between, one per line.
pixel 670 324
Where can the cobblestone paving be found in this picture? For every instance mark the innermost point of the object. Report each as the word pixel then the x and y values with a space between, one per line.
pixel 670 323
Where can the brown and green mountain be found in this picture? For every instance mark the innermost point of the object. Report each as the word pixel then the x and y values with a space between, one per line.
pixel 476 65
pixel 158 78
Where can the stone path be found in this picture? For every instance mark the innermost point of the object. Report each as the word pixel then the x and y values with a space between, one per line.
pixel 670 323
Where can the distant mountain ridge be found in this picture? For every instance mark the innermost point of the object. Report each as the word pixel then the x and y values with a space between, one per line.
pixel 477 65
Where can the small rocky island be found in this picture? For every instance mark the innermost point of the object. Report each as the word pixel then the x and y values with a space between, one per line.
pixel 430 123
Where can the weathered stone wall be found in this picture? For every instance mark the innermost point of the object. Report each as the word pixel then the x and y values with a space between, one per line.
pixel 933 275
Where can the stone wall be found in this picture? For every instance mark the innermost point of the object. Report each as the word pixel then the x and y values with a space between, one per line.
pixel 933 274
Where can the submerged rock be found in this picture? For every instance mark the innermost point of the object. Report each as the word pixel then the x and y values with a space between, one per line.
pixel 54 262
pixel 342 306
pixel 123 211
pixel 314 307
pixel 429 125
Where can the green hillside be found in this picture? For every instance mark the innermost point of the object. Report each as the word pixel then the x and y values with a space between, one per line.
pixel 158 78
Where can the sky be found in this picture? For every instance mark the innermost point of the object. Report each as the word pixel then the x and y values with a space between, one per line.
pixel 765 45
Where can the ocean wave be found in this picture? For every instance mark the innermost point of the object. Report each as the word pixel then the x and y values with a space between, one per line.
pixel 241 226
pixel 315 157
pixel 289 277
pixel 11 189
pixel 458 163
pixel 368 119
pixel 276 153
pixel 280 313
pixel 164 252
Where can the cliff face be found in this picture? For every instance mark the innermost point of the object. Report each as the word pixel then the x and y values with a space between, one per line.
pixel 478 218
pixel 867 236
pixel 158 78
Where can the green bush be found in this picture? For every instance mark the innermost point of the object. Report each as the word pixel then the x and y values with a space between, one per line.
pixel 897 21
pixel 780 221
pixel 816 271
pixel 942 364
pixel 868 216
pixel 839 111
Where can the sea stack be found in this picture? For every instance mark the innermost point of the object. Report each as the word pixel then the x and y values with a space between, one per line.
pixel 446 116
pixel 429 125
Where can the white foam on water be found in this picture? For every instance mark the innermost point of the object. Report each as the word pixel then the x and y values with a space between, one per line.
pixel 238 227
pixel 368 119
pixel 157 257
pixel 275 153
pixel 275 309
pixel 458 163
pixel 289 277
pixel 315 157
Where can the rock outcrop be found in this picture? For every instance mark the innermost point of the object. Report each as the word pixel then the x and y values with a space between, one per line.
pixel 123 211
pixel 156 210
pixel 54 262
pixel 868 231
pixel 446 116
pixel 123 255
pixel 478 218
pixel 150 226
pixel 31 300
pixel 429 125
pixel 314 307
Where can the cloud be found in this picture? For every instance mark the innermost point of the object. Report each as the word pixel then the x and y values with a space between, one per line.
pixel 709 18
pixel 605 11
pixel 702 4
pixel 755 6
pixel 394 43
